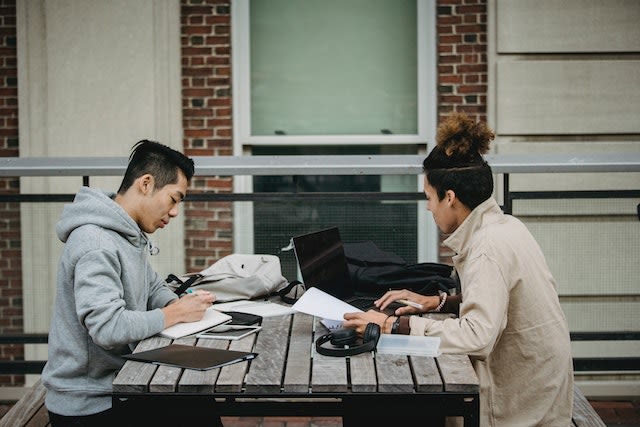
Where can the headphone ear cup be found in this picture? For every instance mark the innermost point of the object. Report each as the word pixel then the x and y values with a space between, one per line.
pixel 371 333
pixel 343 336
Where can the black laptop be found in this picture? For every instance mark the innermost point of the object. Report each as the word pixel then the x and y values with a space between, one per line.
pixel 323 265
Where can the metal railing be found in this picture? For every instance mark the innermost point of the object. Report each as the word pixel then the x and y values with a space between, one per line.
pixel 503 166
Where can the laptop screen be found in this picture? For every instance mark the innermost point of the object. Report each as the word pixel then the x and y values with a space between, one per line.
pixel 322 262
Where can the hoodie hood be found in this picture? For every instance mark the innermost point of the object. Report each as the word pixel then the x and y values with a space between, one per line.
pixel 92 206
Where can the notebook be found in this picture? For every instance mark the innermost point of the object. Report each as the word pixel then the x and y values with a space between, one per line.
pixel 323 265
pixel 191 357
pixel 212 317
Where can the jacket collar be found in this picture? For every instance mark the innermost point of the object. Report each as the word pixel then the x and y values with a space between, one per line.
pixel 486 212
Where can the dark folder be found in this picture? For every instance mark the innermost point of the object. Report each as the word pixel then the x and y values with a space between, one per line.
pixel 191 357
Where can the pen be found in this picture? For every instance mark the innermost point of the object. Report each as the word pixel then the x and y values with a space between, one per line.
pixel 410 303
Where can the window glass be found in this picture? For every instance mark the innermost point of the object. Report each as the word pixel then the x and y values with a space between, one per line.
pixel 333 67
pixel 391 224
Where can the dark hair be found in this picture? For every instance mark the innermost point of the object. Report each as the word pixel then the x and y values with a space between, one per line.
pixel 456 162
pixel 158 160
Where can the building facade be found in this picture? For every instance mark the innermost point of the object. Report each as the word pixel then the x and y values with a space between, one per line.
pixel 243 78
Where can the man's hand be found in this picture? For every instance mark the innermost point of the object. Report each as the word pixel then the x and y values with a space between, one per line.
pixel 359 320
pixel 189 308
pixel 428 303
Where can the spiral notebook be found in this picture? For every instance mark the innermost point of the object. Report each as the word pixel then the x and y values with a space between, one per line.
pixel 191 357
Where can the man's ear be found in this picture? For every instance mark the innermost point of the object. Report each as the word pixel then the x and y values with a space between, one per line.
pixel 450 196
pixel 145 184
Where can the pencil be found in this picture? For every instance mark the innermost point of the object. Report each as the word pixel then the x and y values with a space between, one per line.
pixel 410 303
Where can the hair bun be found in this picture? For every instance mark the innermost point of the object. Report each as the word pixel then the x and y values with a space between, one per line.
pixel 460 136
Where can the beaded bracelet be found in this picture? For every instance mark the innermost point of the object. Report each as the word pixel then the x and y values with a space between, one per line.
pixel 443 299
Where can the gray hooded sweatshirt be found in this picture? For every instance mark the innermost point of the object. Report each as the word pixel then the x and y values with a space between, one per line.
pixel 108 298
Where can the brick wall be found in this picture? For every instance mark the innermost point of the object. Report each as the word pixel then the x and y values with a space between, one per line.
pixel 206 118
pixel 11 320
pixel 462 57
pixel 462 65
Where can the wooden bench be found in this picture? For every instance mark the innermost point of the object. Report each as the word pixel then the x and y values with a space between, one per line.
pixel 30 411
pixel 583 413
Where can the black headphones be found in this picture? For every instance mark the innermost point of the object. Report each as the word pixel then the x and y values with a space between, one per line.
pixel 347 337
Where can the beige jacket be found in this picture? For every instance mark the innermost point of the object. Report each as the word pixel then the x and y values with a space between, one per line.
pixel 510 323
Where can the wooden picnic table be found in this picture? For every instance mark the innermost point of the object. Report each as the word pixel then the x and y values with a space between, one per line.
pixel 288 378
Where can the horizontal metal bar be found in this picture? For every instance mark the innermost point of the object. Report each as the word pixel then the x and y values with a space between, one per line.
pixel 616 162
pixel 279 197
pixel 21 366
pixel 605 336
pixel 591 364
pixel 320 165
pixel 25 338
pixel 36 198
pixel 576 194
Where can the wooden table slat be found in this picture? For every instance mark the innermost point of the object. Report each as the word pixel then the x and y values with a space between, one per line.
pixel 196 381
pixel 328 373
pixel 232 377
pixel 427 376
pixel 458 374
pixel 394 373
pixel 166 378
pixel 298 369
pixel 363 373
pixel 268 367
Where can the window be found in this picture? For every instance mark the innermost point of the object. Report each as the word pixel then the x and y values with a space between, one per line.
pixel 331 77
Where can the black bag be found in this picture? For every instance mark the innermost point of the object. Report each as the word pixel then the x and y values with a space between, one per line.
pixel 374 271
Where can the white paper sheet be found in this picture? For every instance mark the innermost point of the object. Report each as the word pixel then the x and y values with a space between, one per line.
pixel 321 304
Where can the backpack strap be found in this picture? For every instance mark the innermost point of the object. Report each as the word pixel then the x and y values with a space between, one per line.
pixel 294 286
pixel 183 285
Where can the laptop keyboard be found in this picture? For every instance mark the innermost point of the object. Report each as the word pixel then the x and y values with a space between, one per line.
pixel 362 303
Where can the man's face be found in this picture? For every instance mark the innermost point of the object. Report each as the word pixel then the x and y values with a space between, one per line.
pixel 443 214
pixel 160 205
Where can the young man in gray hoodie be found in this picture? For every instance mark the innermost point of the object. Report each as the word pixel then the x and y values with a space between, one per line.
pixel 108 297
